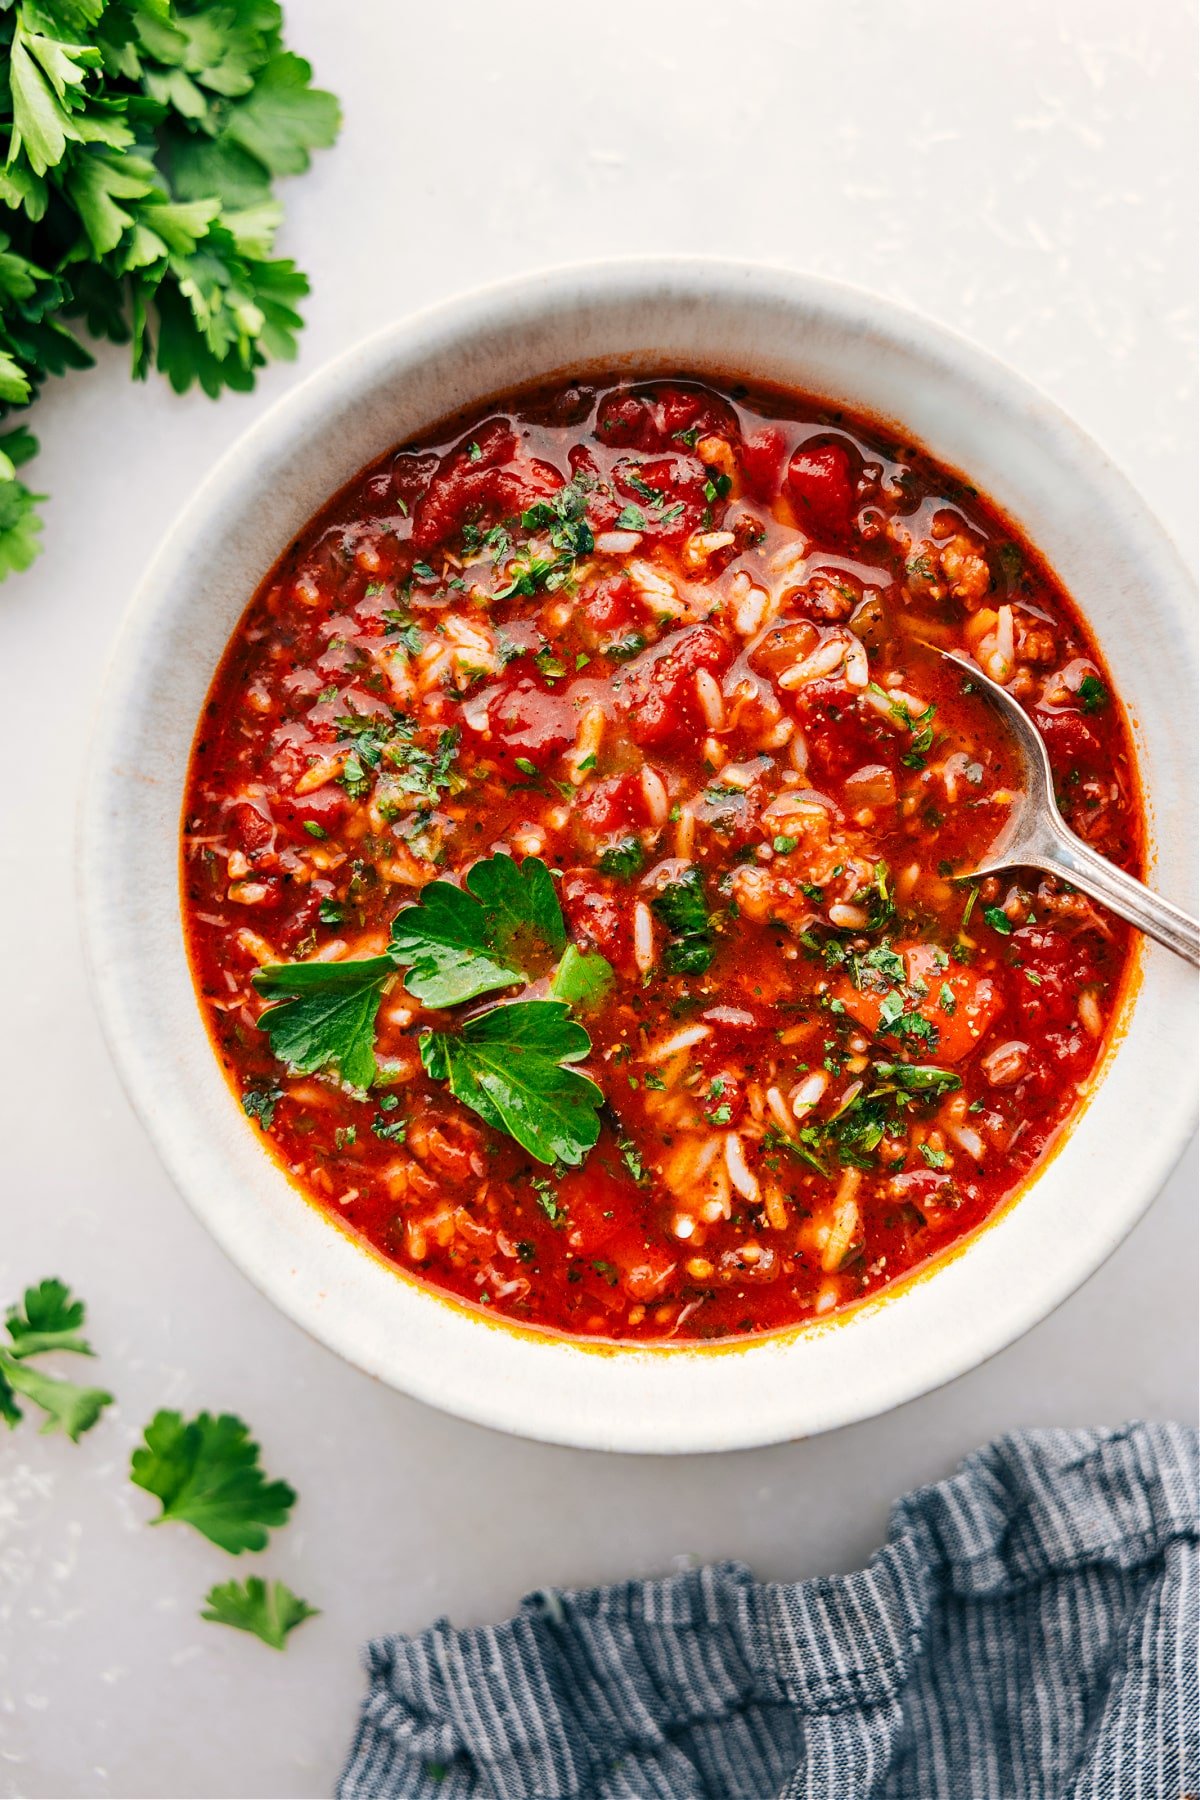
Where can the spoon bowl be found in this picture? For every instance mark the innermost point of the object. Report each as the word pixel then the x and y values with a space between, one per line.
pixel 1036 836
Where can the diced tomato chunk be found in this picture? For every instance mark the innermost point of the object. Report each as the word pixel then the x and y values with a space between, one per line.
pixel 602 504
pixel 669 493
pixel 612 605
pixel 660 695
pixel 326 807
pixel 822 479
pixel 841 734
pixel 465 484
pixel 662 417
pixel 761 456
pixel 613 804
pixel 1069 738
pixel 485 477
pixel 960 1020
pixel 411 473
pixel 595 1203
pixel 597 912
pixel 1052 967
pixel 252 829
pixel 533 721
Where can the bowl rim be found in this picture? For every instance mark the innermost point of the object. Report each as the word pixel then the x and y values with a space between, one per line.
pixel 564 1416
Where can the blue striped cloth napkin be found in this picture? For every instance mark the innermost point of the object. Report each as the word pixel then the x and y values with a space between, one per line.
pixel 1028 1632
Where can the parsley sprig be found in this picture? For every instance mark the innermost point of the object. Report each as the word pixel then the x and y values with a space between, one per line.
pixel 853 1133
pixel 512 1064
pixel 144 138
pixel 50 1318
pixel 683 909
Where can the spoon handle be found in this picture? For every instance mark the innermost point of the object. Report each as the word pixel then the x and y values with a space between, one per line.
pixel 1067 855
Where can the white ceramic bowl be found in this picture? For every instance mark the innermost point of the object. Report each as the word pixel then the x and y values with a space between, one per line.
pixel 657 315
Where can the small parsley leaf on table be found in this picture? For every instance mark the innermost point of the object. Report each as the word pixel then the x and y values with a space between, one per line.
pixel 48 1320
pixel 326 1014
pixel 206 1473
pixel 495 931
pixel 269 1609
pixel 510 1066
pixel 67 1406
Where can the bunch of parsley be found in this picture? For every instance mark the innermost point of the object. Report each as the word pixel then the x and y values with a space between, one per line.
pixel 143 139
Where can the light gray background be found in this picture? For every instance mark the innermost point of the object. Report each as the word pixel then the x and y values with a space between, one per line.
pixel 1024 173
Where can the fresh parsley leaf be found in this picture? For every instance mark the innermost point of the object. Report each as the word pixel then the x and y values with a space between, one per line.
pixel 501 927
pixel 510 1066
pixel 67 1406
pixel 582 979
pixel 206 1473
pixel 267 1608
pixel 326 1014
pixel 20 525
pixel 49 1319
pixel 998 920
pixel 630 518
pixel 936 1159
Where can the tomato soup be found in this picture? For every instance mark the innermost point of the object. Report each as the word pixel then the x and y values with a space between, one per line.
pixel 573 860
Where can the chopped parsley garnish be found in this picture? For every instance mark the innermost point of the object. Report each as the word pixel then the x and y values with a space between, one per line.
pixel 918 1078
pixel 391 739
pixel 546 1195
pixel 998 920
pixel 260 1103
pixel 1093 695
pixel 624 859
pixel 683 909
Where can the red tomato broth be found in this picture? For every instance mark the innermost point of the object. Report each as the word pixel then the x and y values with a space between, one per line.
pixel 723 653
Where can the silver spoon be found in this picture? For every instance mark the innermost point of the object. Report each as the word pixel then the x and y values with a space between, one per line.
pixel 1037 837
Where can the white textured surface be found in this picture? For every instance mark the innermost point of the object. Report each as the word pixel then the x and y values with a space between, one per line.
pixel 1025 175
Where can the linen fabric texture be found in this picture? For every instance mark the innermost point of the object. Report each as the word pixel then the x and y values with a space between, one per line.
pixel 1028 1632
